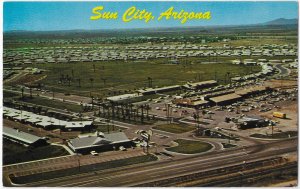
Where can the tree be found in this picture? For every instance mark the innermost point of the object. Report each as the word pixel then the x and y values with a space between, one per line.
pixel 147 107
pixel 104 81
pixel 142 113
pixel 92 81
pixel 30 90
pixel 79 85
pixel 22 92
pixel 94 67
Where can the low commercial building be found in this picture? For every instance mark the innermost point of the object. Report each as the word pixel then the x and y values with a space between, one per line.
pixel 99 142
pixel 225 99
pixel 191 103
pixel 200 85
pixel 251 122
pixel 252 91
pixel 22 137
pixel 124 97
pixel 149 91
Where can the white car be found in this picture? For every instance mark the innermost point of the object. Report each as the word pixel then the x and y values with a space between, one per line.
pixel 94 153
pixel 157 108
pixel 122 148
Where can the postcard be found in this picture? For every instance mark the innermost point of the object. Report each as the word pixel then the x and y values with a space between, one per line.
pixel 150 94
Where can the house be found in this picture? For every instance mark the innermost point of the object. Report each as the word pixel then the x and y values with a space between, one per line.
pixel 99 142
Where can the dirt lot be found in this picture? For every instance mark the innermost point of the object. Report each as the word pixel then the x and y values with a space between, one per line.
pixel 281 83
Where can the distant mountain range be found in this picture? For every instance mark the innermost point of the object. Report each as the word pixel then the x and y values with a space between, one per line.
pixel 275 23
pixel 281 21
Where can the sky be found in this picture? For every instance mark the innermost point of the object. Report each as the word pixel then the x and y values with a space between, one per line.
pixel 50 16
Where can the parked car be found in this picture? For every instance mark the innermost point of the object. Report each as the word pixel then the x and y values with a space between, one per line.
pixel 94 153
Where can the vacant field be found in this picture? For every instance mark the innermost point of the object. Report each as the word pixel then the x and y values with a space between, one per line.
pixel 53 104
pixel 110 78
pixel 190 146
pixel 17 153
pixel 175 128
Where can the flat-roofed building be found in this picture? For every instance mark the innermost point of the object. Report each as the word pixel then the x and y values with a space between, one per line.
pixel 22 137
pixel 225 99
pixel 158 90
pixel 99 142
pixel 251 122
pixel 200 85
pixel 191 103
pixel 123 97
pixel 252 91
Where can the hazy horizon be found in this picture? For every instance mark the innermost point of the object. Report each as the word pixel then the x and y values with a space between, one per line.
pixel 65 16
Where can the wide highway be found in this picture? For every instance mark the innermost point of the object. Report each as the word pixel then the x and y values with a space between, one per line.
pixel 144 173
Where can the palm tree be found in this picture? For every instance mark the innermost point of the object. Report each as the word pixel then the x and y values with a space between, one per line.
pixel 113 109
pixel 142 113
pixel 79 82
pixel 229 80
pixel 147 107
pixel 30 90
pixel 104 81
pixel 130 111
pixel 92 81
pixel 68 80
pixel 94 67
pixel 22 92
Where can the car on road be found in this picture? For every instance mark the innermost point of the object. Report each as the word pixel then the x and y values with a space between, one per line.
pixel 94 153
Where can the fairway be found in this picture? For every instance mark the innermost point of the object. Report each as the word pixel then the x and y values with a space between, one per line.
pixel 190 146
pixel 112 78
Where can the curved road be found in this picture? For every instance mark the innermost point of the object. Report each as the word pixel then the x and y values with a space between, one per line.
pixel 283 70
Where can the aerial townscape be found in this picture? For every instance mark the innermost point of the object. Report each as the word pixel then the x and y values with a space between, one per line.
pixel 181 106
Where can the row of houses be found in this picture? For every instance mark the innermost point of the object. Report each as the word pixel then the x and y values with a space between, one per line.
pixel 44 122
pixel 90 54
pixel 150 91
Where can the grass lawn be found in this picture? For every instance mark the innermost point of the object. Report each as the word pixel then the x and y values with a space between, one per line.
pixel 227 145
pixel 83 169
pixel 190 146
pixel 175 128
pixel 276 135
pixel 17 153
pixel 53 104
pixel 105 128
pixel 8 94
pixel 127 76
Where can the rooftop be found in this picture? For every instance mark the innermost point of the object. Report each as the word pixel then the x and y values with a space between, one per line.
pixel 225 98
pixel 92 141
pixel 19 135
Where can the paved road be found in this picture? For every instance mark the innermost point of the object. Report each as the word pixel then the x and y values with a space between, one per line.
pixel 138 174
pixel 52 164
pixel 283 70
